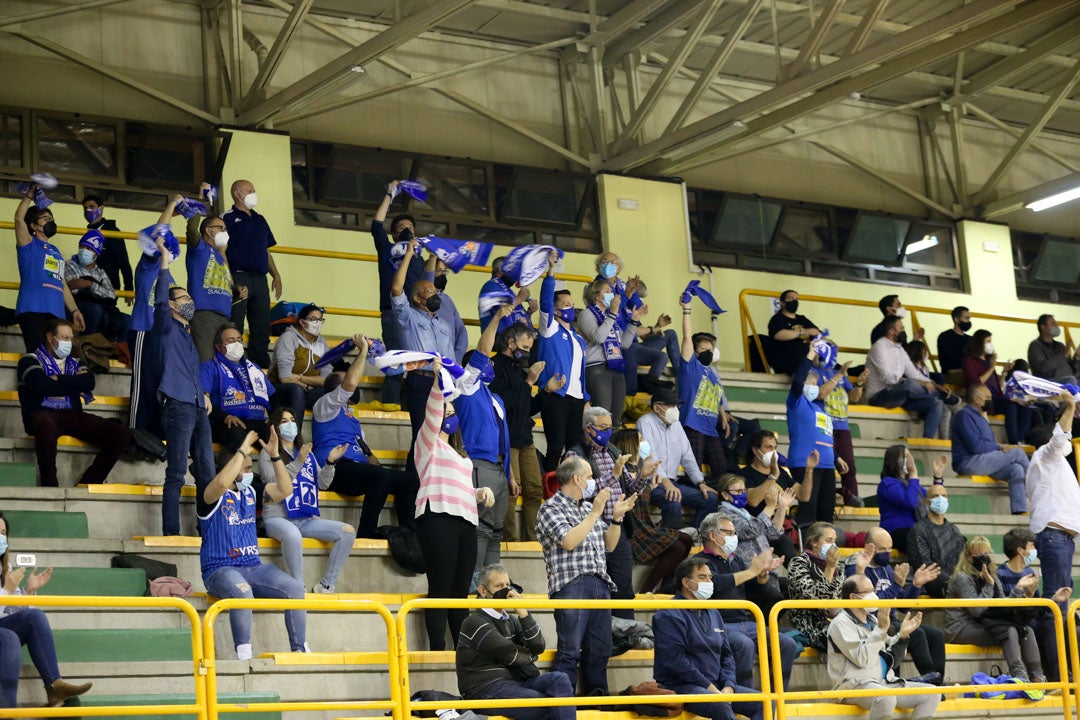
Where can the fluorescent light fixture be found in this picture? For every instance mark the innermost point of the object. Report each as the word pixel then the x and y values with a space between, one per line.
pixel 357 69
pixel 1054 200
pixel 927 242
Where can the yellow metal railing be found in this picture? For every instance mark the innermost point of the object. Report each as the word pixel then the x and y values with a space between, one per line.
pixel 198 708
pixel 750 335
pixel 209 664
pixel 783 697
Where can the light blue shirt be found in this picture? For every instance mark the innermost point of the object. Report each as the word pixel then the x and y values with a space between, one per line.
pixel 420 330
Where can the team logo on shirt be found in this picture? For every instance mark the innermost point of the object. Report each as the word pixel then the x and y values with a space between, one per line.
pixel 235 396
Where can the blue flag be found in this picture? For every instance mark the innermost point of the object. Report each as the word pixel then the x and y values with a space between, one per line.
pixel 694 289
pixel 527 264
pixel 457 253
pixel 417 190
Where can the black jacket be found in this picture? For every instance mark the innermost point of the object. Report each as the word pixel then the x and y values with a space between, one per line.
pixel 516 394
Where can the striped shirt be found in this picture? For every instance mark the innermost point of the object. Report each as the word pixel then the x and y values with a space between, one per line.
pixel 446 484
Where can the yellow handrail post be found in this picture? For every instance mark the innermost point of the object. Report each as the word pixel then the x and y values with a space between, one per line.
pixel 750 331
pixel 210 660
pixel 1074 647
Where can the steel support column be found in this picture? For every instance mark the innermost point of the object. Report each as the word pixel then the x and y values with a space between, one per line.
pixel 675 15
pixel 813 43
pixel 277 51
pixel 54 12
pixel 866 26
pixel 894 184
pixel 1010 130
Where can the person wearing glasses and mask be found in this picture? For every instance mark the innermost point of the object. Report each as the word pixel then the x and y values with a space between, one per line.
pixel 298 382
pixel 210 279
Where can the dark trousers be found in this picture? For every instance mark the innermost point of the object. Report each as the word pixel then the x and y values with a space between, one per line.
pixel 256 309
pixel 187 432
pixel 10 666
pixel 607 389
pixel 709 451
pixel 105 319
pixel 741 432
pixel 1018 419
pixel 842 448
pixel 561 415
pixel 32 326
pixel 583 635
pixel 719 710
pixel 111 439
pixel 448 543
pixel 927 648
pixel 32 629
pixel 144 412
pixel 415 388
pixel 666 562
pixel 548 685
pixel 822 503
pixel 204 327
pixel 231 438
pixel 375 483
pixel 391 337
pixel 620 568
pixel 297 398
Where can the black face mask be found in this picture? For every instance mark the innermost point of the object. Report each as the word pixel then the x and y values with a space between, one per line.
pixel 500 594
pixel 440 282
pixel 902 338
pixel 521 356
pixel 980 561
pixel 405 235
pixel 705 357
pixel 49 228
pixel 964 326
pixel 792 306
pixel 433 303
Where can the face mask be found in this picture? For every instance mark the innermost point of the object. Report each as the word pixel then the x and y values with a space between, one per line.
pixel 704 590
pixel 903 468
pixel 87 257
pixel 500 594
pixel 881 559
pixel 234 351
pixel 705 357
pixel 92 216
pixel 251 200
pixel 1031 556
pixel 792 306
pixel 810 392
pixel 221 238
pixel 870 596
pixel 450 424
pixel 671 415
pixel 902 338
pixel 900 312
pixel 521 356
pixel 3 544
pixel 939 504
pixel 567 315
pixel 49 228
pixel 1055 331
pixel 439 282
pixel 590 489
pixel 186 310
pixel 608 270
pixel 988 348
pixel 288 431
pixel 244 481
pixel 63 348
pixel 824 550
pixel 607 299
pixel 767 458
pixel 644 449
pixel 738 499
pixel 980 561
pixel 731 544
pixel 964 326
pixel 601 437
pixel 312 326
pixel 405 235
pixel 433 303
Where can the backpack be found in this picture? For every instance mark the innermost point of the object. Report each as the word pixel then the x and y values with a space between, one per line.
pixel 146 446
pixel 154 569
pixel 283 315
pixel 405 548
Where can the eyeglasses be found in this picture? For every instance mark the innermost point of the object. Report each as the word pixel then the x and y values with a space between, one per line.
pixel 722 531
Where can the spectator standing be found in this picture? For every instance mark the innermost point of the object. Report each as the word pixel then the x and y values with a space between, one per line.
pixel 93 293
pixel 891 306
pixel 788 334
pixel 523 307
pixel 605 366
pixel 1049 358
pixel 934 540
pixel 693 649
pixel 185 406
pixel 856 645
pixel 43 294
pixel 52 386
pixel 895 382
pixel 248 252
pixel 239 390
pixel 976 452
pixel 497 651
pixel 211 280
pixel 951 343
pixel 563 352
pixel 836 406
pixel 815 575
pixel 980 366
pixel 298 383
pixel 703 409
pixel 667 439
pixel 575 541
pixel 113 258
pixel 436 271
pixel 901 498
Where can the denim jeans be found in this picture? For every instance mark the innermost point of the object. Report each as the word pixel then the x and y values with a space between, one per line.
pixel 719 710
pixel 654 351
pixel 291 534
pixel 583 635
pixel 671 511
pixel 259 581
pixel 187 430
pixel 1055 548
pixel 910 395
pixel 667 341
pixel 743 639
pixel 548 685
pixel 10 665
pixel 32 629
pixel 1008 465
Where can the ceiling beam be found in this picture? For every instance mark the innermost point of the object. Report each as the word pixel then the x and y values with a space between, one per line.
pixel 667 74
pixel 54 12
pixel 866 26
pixel 126 80
pixel 881 52
pixel 277 51
pixel 813 43
pixel 716 63
pixel 1016 133
pixel 676 15
pixel 366 52
pixel 1016 201
pixel 536 10
pixel 1032 131
pixel 626 19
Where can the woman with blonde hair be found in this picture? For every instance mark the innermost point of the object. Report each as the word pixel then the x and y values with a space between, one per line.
pixel 815 575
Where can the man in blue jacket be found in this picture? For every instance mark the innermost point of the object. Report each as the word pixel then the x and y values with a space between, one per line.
pixel 693 654
pixel 976 452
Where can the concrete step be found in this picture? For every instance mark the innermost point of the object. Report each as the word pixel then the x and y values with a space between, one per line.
pixel 120 645
pixel 95 700
pixel 46 524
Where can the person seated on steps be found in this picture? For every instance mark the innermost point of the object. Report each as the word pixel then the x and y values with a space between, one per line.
pixel 93 293
pixel 294 375
pixel 895 382
pixel 934 540
pixel 239 390
pixel 975 451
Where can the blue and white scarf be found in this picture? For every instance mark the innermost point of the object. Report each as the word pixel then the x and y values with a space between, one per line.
pixel 612 346
pixel 51 367
pixel 304 501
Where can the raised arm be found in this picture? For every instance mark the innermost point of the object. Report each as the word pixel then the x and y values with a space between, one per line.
pixel 224 479
pixel 170 210
pixel 356 370
pixel 687 331
pixel 487 338
pixel 397 285
pixel 22 233
pixel 384 206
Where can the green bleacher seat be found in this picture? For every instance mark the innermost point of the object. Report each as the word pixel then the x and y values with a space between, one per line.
pixel 92 700
pixel 756 395
pixel 121 645
pixel 18 474
pixel 46 524
pixel 109 582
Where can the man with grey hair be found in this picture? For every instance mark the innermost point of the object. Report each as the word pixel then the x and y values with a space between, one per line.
pixel 497 651
pixel 575 541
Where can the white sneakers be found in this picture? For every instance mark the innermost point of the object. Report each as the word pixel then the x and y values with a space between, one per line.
pixel 243 652
pixel 323 589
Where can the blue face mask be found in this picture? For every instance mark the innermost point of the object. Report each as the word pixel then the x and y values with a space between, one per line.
pixel 1029 559
pixel 738 499
pixel 823 553
pixel 92 216
pixel 567 315
pixel 3 544
pixel 644 449
pixel 939 504
pixel 288 431
pixel 244 481
pixel 608 270
pixel 590 489
pixel 450 425
pixel 810 392
pixel 607 298
pixel 86 257
pixel 601 437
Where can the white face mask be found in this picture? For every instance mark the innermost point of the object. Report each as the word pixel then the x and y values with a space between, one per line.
pixel 1055 331
pixel 870 596
pixel 221 238
pixel 314 327
pixel 671 415
pixel 63 348
pixel 251 200
pixel 988 348
pixel 704 590
pixel 810 392
pixel 234 351
pixel 731 544
pixel 244 481
pixel 900 312
pixel 767 458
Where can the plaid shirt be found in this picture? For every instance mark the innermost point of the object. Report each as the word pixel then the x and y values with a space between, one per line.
pixel 603 467
pixel 557 516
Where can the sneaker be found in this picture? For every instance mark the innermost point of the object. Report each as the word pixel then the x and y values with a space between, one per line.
pixel 855 501
pixel 323 589
pixel 243 652
pixel 930 678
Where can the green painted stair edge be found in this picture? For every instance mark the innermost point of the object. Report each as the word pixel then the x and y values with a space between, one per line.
pixel 46 524
pixel 871 465
pixel 121 645
pixel 776 396
pixel 92 700
pixel 18 475
pixel 107 582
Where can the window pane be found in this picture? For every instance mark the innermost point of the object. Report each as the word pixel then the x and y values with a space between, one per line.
pixel 543 197
pixel 746 222
pixel 795 267
pixel 930 245
pixel 947 283
pixel 848 272
pixel 1059 262
pixel 905 278
pixel 499 236
pixel 805 232
pixel 74 147
pixel 11 145
pixel 426 227
pixel 161 158
pixel 877 239
pixel 1025 248
pixel 571 243
pixel 300 174
pixel 357 176
pixel 330 218
pixel 126 198
pixel 454 188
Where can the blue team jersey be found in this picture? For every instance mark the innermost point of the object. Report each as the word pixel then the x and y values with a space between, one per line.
pixel 702 396
pixel 41 279
pixel 229 538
